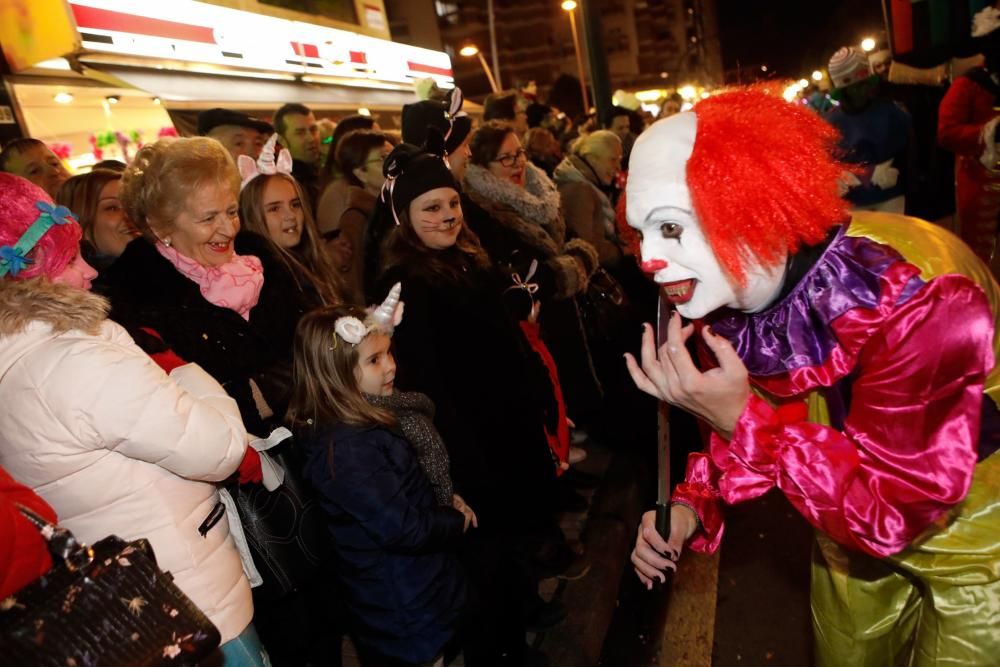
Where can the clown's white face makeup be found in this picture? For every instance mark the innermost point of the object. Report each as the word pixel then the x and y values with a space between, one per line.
pixel 376 369
pixel 674 248
pixel 436 216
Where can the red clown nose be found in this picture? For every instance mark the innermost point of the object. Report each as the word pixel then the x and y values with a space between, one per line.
pixel 653 265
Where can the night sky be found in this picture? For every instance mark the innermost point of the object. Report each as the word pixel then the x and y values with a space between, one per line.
pixel 792 37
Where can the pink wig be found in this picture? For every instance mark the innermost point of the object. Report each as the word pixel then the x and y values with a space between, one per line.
pixel 762 177
pixel 57 247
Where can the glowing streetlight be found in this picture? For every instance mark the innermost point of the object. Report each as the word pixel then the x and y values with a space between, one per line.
pixel 817 75
pixel 803 83
pixel 470 50
pixel 688 92
pixel 569 6
pixel 868 44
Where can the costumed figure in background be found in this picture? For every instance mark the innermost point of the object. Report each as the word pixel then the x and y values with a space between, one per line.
pixel 874 135
pixel 967 126
pixel 853 370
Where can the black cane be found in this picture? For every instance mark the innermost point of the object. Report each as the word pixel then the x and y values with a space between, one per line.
pixel 663 312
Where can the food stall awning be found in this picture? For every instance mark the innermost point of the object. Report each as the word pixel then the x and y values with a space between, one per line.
pixel 187 90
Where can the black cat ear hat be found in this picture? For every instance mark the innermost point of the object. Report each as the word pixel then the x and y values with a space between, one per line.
pixel 411 171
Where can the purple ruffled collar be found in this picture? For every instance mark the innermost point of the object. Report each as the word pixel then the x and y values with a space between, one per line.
pixel 795 332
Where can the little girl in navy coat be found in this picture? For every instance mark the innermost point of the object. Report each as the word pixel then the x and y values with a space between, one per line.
pixel 404 588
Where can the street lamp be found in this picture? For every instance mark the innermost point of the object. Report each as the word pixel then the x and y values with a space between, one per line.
pixel 470 50
pixel 569 6
pixel 817 75
pixel 868 44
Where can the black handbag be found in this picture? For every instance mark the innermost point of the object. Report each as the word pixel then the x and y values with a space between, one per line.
pixel 604 308
pixel 285 528
pixel 107 604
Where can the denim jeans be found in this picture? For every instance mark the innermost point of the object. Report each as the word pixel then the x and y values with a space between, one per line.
pixel 245 650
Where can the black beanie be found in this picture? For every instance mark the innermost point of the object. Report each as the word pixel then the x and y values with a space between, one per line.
pixel 412 171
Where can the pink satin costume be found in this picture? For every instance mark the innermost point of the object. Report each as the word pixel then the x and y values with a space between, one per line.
pixel 884 439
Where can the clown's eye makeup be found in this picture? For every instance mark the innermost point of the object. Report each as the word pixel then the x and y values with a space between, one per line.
pixel 671 230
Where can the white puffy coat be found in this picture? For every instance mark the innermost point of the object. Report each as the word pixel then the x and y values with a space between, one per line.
pixel 96 428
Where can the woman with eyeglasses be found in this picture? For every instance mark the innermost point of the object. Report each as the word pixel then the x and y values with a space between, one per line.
pixel 516 212
pixel 348 202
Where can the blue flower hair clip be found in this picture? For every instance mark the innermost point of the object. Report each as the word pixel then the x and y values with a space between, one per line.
pixel 14 259
pixel 60 215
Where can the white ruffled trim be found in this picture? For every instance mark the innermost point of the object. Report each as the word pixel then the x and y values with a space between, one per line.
pixel 988 136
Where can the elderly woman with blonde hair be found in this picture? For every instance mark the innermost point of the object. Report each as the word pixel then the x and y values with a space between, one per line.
pixel 584 178
pixel 222 297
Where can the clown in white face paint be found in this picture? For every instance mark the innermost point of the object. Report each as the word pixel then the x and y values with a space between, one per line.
pixel 674 248
pixel 855 372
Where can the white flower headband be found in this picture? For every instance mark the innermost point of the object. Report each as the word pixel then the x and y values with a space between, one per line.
pixel 267 164
pixel 383 319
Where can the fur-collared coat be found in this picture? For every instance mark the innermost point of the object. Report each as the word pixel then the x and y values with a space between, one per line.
pixel 116 446
pixel 250 358
pixel 518 224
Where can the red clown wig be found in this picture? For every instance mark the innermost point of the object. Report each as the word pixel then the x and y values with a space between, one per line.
pixel 762 177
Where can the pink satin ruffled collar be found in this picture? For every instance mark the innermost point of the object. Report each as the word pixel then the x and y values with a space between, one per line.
pixel 235 285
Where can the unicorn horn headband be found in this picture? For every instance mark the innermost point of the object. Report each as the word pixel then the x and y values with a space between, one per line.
pixel 383 319
pixel 14 259
pixel 270 162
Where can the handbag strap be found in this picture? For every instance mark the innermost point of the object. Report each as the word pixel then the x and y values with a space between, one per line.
pixel 62 544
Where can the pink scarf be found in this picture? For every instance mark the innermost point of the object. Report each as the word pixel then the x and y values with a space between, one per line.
pixel 235 285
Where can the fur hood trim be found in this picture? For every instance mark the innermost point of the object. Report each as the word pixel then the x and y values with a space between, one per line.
pixel 530 234
pixel 62 307
pixel 537 202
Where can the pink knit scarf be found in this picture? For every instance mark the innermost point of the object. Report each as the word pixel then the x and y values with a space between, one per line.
pixel 235 285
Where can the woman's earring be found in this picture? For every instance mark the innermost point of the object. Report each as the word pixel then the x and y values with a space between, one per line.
pixel 166 242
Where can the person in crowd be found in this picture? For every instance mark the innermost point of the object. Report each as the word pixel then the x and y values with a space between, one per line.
pixel 272 205
pixel 542 150
pixel 445 118
pixel 518 219
pixel 32 159
pixel 626 125
pixel 331 173
pixel 296 125
pixel 239 133
pixel 203 286
pixel 106 229
pixel 967 126
pixel 395 540
pixel 221 297
pixel 584 179
pixel 672 105
pixel 507 106
pixel 868 408
pixel 347 204
pixel 494 434
pixel 131 446
pixel 875 135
